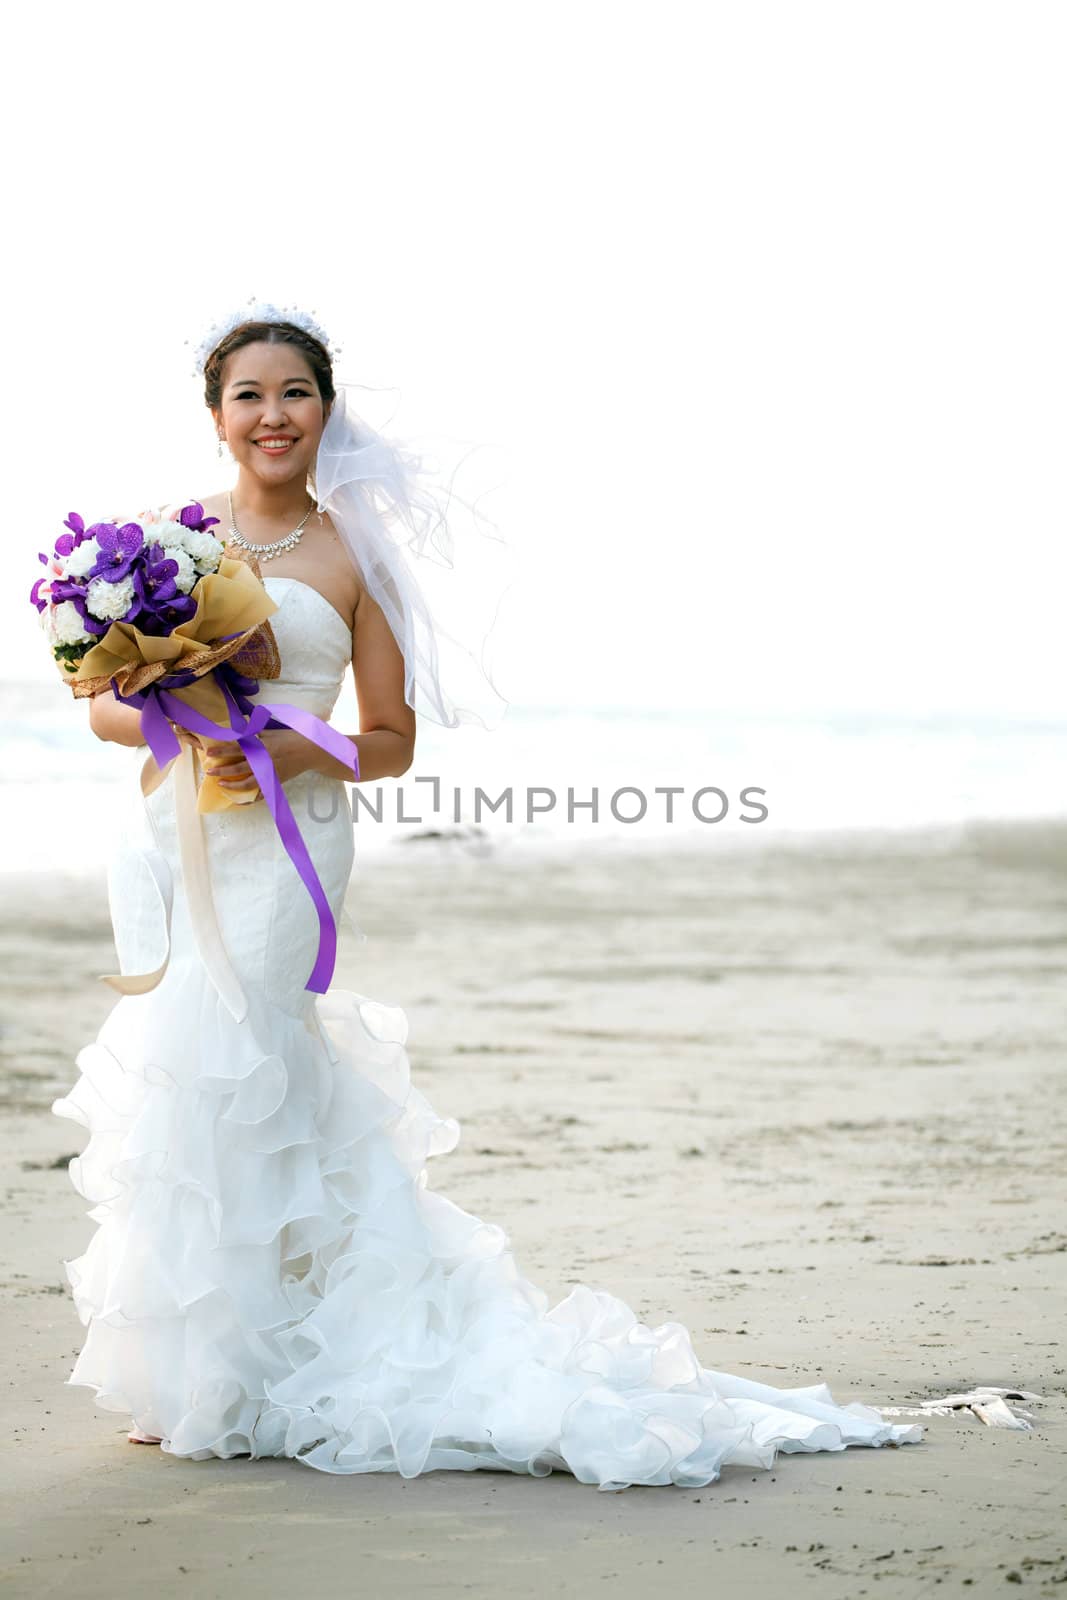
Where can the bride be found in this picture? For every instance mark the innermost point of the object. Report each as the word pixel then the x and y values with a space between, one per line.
pixel 271 1273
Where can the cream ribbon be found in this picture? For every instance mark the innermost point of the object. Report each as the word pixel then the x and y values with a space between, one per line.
pixel 197 882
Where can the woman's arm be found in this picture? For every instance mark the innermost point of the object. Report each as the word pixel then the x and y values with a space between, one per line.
pixel 386 737
pixel 111 720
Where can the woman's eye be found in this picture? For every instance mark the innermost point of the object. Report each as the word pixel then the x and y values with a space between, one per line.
pixel 250 394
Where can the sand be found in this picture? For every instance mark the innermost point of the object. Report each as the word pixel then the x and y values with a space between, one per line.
pixel 807 1099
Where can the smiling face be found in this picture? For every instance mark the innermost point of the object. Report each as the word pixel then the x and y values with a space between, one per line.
pixel 270 411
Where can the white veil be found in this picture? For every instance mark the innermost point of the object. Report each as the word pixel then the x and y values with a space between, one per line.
pixel 425 556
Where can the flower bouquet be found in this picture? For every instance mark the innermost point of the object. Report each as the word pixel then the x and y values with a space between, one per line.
pixel 158 602
pixel 159 613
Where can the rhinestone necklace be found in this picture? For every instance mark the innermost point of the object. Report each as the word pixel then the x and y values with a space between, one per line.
pixel 267 552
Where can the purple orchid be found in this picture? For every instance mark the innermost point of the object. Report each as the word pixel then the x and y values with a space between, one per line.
pixel 65 544
pixel 78 534
pixel 119 549
pixel 192 516
pixel 66 589
pixel 157 597
pixel 159 573
pixel 174 612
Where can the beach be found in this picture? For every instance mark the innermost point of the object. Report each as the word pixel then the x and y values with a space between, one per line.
pixel 805 1097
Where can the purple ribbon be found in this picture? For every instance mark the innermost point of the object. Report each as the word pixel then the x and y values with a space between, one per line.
pixel 160 708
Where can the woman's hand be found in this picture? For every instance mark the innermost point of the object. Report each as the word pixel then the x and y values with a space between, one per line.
pixel 224 760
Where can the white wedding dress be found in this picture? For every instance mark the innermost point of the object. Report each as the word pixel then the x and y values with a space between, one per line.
pixel 271 1274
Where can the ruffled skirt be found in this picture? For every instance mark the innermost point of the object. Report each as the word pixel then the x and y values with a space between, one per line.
pixel 271 1274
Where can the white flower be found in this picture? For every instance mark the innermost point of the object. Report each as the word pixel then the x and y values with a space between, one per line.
pixel 109 601
pixel 65 625
pixel 205 549
pixel 185 576
pixel 164 530
pixel 83 559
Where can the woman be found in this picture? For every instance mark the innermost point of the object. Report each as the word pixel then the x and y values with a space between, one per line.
pixel 271 1274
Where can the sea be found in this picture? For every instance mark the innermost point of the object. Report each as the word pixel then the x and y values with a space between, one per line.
pixel 585 777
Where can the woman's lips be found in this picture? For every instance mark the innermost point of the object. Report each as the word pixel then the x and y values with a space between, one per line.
pixel 274 447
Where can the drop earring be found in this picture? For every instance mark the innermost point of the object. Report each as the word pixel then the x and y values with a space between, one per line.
pixel 220 446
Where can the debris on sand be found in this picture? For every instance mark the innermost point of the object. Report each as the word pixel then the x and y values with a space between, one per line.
pixel 989 1405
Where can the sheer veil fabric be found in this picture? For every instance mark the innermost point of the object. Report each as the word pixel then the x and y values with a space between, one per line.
pixel 436 566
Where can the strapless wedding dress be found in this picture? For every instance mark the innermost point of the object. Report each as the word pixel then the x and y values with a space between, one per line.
pixel 271 1274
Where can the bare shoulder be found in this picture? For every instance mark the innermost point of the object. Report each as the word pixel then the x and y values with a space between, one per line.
pixel 335 558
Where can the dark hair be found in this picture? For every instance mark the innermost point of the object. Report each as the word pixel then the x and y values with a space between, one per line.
pixel 268 333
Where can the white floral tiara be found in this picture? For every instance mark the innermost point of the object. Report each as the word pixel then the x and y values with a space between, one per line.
pixel 258 311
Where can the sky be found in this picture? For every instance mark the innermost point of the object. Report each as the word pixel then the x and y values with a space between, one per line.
pixel 757 309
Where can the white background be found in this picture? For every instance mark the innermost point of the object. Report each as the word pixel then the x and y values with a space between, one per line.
pixel 762 303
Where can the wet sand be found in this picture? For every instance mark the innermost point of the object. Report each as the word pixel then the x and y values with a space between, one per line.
pixel 808 1100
